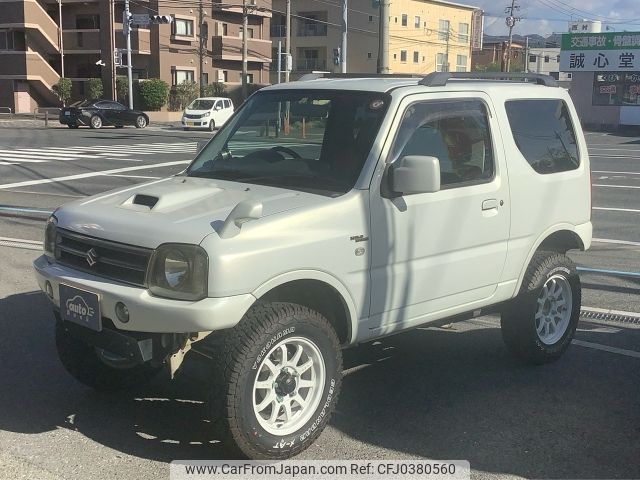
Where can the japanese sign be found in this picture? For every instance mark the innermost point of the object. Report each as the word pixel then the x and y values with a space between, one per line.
pixel 594 52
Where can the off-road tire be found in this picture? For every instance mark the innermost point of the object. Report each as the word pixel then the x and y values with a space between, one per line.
pixel 518 322
pixel 231 395
pixel 83 364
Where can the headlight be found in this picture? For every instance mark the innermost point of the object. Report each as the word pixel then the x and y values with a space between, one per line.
pixel 179 271
pixel 206 114
pixel 50 236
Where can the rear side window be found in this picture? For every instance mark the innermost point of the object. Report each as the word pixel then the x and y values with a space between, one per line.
pixel 544 134
pixel 227 103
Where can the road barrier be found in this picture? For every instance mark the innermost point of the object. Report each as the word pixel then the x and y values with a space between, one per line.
pixel 8 112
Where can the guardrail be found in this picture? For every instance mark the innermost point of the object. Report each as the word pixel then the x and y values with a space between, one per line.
pixel 9 112
pixel 46 111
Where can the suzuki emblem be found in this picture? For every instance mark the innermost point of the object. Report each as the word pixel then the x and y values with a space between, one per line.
pixel 92 257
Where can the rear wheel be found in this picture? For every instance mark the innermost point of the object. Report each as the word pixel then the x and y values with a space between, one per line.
pixel 278 381
pixel 212 126
pixel 96 368
pixel 95 122
pixel 141 121
pixel 72 125
pixel 540 322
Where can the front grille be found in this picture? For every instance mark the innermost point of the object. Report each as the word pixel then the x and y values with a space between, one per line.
pixel 113 260
pixel 192 115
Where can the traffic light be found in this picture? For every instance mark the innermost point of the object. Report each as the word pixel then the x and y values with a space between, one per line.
pixel 336 56
pixel 161 19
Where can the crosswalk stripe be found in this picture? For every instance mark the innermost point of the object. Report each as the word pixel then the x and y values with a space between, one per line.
pixel 21 159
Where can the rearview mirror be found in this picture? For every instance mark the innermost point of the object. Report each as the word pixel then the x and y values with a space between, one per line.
pixel 415 174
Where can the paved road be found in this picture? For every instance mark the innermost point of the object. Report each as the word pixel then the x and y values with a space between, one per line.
pixel 436 393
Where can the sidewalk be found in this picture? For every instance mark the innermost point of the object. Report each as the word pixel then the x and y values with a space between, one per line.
pixel 29 122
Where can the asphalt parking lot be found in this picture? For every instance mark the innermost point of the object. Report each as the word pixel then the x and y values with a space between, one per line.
pixel 438 393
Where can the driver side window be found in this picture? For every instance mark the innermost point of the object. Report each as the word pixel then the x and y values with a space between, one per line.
pixel 456 132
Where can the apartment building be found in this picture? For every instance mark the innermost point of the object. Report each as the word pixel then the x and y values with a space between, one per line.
pixel 424 35
pixel 42 40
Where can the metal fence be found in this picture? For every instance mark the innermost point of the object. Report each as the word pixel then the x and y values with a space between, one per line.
pixel 50 112
pixel 6 111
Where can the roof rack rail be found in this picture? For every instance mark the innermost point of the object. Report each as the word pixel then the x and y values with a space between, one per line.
pixel 440 79
pixel 317 75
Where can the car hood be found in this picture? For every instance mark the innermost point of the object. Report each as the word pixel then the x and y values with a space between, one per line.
pixel 178 209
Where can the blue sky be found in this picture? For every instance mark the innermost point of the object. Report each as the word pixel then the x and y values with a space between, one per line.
pixel 548 16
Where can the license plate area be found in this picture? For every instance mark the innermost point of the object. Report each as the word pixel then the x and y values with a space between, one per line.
pixel 80 307
pixel 67 114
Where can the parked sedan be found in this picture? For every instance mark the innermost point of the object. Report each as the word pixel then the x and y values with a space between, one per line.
pixel 99 113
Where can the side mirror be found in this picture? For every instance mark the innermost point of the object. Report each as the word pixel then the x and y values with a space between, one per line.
pixel 217 108
pixel 201 145
pixel 415 174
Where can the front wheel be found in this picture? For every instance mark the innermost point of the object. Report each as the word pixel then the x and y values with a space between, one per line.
pixel 540 322
pixel 141 121
pixel 72 125
pixel 212 126
pixel 89 365
pixel 282 375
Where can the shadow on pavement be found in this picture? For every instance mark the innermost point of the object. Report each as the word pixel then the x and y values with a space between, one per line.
pixel 436 393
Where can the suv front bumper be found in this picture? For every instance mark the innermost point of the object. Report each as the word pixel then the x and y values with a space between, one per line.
pixel 146 312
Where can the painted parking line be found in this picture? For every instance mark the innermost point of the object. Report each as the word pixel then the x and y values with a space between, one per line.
pixel 101 173
pixel 607 348
pixel 614 186
pixel 612 209
pixel 615 242
pixel 615 173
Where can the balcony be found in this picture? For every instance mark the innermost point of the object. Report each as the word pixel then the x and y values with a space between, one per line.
pixel 16 65
pixel 31 16
pixel 310 64
pixel 312 30
pixel 258 8
pixel 230 48
pixel 81 41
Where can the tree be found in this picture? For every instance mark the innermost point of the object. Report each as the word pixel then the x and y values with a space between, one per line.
pixel 215 90
pixel 62 90
pixel 122 88
pixel 154 93
pixel 95 89
pixel 184 93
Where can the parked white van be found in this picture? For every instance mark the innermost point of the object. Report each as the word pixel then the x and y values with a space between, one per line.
pixel 207 112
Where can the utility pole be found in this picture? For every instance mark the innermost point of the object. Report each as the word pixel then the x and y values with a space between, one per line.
pixel 201 51
pixel 526 56
pixel 511 22
pixel 445 67
pixel 61 40
pixel 126 26
pixel 245 25
pixel 383 38
pixel 287 40
pixel 112 49
pixel 343 47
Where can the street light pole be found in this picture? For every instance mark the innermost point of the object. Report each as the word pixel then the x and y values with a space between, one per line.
pixel 245 25
pixel 126 25
pixel 343 47
pixel 383 38
pixel 61 40
pixel 287 40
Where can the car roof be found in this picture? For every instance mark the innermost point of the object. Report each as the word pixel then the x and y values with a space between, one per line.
pixel 212 98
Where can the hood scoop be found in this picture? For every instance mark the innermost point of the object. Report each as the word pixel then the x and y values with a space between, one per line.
pixel 145 200
pixel 169 199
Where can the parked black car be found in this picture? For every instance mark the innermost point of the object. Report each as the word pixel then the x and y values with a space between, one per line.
pixel 98 113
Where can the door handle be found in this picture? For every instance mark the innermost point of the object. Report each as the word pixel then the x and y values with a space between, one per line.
pixel 490 204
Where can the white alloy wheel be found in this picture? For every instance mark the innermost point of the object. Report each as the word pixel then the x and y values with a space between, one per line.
pixel 554 309
pixel 288 386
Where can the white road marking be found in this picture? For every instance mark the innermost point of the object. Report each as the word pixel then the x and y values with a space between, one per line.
pixel 15 160
pixel 133 176
pixel 607 348
pixel 607 311
pixel 616 242
pixel 101 173
pixel 615 173
pixel 9 239
pixel 611 209
pixel 614 186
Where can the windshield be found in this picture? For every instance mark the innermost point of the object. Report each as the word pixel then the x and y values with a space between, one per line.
pixel 201 105
pixel 309 140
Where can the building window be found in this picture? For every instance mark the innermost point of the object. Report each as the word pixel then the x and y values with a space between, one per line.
pixel 6 40
pixel 225 29
pixel 403 56
pixel 461 63
pixel 416 21
pixel 205 78
pixel 463 33
pixel 546 59
pixel 558 58
pixel 249 32
pixel 183 27
pixel 616 88
pixel 225 76
pixel 369 55
pixel 370 18
pixel 182 76
pixel 532 59
pixel 443 30
pixel 416 57
pixel 249 77
pixel 80 39
pixel 88 22
pixel 405 19
pixel 441 62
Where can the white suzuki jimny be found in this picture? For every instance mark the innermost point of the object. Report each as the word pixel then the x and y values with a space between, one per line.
pixel 326 213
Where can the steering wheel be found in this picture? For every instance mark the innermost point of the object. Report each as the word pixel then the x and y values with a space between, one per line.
pixel 288 151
